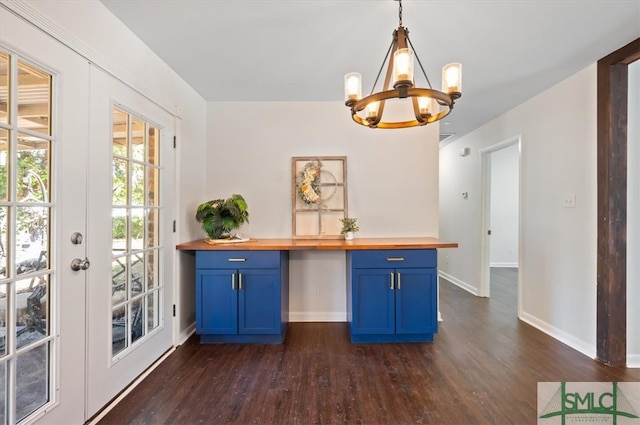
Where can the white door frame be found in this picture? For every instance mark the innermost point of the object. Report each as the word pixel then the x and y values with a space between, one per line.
pixel 485 244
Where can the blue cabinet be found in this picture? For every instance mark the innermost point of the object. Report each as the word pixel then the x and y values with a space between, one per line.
pixel 392 295
pixel 242 296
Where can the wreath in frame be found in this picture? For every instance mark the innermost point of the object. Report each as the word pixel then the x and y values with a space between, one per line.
pixel 310 184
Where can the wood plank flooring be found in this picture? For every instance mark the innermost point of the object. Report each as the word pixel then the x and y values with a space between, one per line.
pixel 482 368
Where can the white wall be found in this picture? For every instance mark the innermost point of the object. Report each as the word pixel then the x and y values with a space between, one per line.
pixel 84 25
pixel 558 256
pixel 633 218
pixel 392 183
pixel 504 207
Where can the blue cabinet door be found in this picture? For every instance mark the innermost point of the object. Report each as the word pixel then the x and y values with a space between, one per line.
pixel 373 302
pixel 416 301
pixel 259 301
pixel 216 302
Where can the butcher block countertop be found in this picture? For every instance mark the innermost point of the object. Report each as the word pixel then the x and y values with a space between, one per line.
pixel 265 244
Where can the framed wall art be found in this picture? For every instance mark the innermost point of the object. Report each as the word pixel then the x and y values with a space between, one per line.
pixel 318 196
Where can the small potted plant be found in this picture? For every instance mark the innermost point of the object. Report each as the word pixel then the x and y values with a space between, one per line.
pixel 220 217
pixel 349 227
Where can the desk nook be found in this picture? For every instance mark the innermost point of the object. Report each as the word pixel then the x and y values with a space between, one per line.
pixel 242 289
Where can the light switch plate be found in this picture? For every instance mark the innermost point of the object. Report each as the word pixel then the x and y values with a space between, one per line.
pixel 569 200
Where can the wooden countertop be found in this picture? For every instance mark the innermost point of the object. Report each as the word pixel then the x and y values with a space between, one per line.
pixel 266 244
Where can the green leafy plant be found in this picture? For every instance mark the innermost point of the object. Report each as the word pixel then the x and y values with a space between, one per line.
pixel 220 217
pixel 349 225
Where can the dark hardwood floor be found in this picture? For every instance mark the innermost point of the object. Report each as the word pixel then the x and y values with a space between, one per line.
pixel 482 368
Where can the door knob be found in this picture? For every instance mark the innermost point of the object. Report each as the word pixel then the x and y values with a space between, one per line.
pixel 78 264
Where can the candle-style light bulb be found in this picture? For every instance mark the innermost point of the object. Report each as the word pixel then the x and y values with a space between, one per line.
pixel 403 65
pixel 352 87
pixel 424 106
pixel 452 78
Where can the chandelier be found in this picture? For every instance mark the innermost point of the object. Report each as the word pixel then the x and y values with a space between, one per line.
pixel 429 105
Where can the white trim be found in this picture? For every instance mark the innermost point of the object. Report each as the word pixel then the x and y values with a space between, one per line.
pixel 507 265
pixel 485 166
pixel 562 336
pixel 186 334
pixel 633 360
pixel 464 285
pixel 31 15
pixel 317 316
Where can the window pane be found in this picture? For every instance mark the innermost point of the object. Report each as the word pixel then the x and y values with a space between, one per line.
pixel 137 274
pixel 3 392
pixel 154 146
pixel 135 232
pixel 32 304
pixel 3 325
pixel 119 230
pixel 119 330
pixel 137 142
pixel 119 133
pixel 4 168
pixel 152 227
pixel 4 92
pixel 3 241
pixel 153 314
pixel 119 280
pixel 137 228
pixel 120 181
pixel 137 184
pixel 152 269
pixel 153 187
pixel 32 373
pixel 136 320
pixel 34 99
pixel 33 169
pixel 32 239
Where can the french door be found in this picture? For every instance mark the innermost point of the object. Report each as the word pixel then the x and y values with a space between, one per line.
pixel 43 161
pixel 87 172
pixel 130 237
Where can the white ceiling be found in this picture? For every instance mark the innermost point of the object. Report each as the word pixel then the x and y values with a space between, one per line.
pixel 299 50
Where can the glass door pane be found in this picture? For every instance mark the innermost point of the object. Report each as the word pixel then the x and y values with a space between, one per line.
pixel 135 301
pixel 26 341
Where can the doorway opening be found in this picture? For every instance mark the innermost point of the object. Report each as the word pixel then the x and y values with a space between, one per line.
pixel 500 250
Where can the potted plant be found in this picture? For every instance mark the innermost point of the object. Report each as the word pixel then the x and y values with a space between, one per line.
pixel 349 227
pixel 220 217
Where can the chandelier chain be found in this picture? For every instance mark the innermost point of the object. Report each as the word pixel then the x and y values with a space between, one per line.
pixel 419 62
pixel 400 12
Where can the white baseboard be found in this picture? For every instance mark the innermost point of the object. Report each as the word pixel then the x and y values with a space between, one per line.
pixel 458 282
pixel 317 316
pixel 562 336
pixel 506 265
pixel 633 360
pixel 186 333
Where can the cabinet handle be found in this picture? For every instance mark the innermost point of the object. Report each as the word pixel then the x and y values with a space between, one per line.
pixel 395 258
pixel 240 281
pixel 391 274
pixel 398 286
pixel 237 260
pixel 233 281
